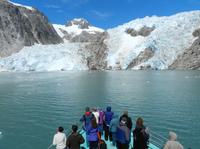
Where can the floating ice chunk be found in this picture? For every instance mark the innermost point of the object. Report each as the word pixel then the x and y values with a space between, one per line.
pixel 1 134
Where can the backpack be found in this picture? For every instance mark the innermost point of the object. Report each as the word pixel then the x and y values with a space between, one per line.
pixel 87 119
pixel 141 138
pixel 108 117
pixel 121 136
pixel 146 136
pixel 101 116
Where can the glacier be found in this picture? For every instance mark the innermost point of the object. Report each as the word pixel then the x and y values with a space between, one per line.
pixel 45 58
pixel 170 37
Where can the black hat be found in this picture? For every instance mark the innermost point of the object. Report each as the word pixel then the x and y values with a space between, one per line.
pixel 74 128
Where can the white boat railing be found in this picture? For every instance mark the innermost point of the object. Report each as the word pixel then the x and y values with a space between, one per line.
pixel 157 139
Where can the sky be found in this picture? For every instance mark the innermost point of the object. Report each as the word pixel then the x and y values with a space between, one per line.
pixel 108 13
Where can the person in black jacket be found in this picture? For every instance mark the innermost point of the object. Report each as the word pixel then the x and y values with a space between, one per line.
pixel 75 139
pixel 129 121
pixel 140 135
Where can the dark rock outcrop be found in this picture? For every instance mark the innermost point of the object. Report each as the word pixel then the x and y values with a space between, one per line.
pixel 87 37
pixel 142 57
pixel 144 31
pixel 21 27
pixel 190 59
pixel 95 51
pixel 82 23
pixel 98 55
pixel 196 33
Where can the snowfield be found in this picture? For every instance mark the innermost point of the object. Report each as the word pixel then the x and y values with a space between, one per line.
pixel 170 37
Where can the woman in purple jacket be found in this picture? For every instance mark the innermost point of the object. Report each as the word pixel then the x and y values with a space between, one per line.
pixel 92 134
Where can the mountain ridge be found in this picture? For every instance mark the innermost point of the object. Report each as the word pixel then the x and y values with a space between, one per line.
pixel 157 43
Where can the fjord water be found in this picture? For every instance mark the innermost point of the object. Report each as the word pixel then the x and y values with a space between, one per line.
pixel 32 105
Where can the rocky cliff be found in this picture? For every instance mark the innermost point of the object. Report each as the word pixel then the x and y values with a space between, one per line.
pixel 23 26
pixel 190 59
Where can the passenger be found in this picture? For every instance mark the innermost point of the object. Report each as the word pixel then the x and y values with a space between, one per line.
pixel 123 135
pixel 59 139
pixel 75 139
pixel 86 118
pixel 172 143
pixel 107 119
pixel 140 135
pixel 129 121
pixel 92 134
pixel 113 128
pixel 101 120
pixel 96 114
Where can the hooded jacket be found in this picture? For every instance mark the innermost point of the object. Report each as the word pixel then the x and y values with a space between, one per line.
pixel 129 120
pixel 172 143
pixel 108 116
pixel 101 117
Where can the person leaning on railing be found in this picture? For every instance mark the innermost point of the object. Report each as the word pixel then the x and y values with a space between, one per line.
pixel 59 139
pixel 140 135
pixel 172 143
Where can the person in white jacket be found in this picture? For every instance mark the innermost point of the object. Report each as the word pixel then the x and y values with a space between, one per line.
pixel 60 139
pixel 96 114
pixel 172 143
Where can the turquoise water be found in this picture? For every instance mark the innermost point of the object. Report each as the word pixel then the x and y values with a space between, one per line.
pixel 32 105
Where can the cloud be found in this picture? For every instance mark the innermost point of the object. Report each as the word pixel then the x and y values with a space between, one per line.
pixel 51 6
pixel 98 15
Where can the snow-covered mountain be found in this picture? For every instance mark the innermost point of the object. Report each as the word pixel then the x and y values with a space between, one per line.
pixel 146 43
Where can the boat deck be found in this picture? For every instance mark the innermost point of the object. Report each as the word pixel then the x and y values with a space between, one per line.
pixel 109 144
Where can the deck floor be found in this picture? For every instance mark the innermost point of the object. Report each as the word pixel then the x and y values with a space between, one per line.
pixel 110 145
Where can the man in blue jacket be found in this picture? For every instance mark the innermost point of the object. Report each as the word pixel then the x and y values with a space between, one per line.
pixel 123 135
